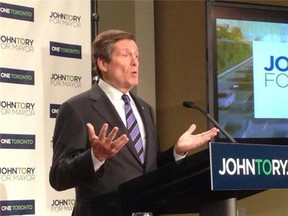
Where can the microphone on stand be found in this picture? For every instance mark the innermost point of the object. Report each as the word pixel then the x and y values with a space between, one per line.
pixel 190 104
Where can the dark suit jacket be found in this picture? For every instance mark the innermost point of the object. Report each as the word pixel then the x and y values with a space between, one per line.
pixel 96 192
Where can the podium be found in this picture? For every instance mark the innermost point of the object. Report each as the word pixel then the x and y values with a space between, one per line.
pixel 207 182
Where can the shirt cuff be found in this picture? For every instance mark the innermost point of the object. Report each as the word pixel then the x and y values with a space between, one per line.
pixel 96 163
pixel 177 156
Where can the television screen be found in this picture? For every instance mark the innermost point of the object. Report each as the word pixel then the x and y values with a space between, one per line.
pixel 248 71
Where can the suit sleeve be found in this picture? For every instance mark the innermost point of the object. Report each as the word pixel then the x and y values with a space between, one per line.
pixel 71 163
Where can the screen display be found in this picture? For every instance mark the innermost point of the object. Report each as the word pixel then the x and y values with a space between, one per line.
pixel 248 71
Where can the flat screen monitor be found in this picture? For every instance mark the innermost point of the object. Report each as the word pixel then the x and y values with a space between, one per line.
pixel 247 52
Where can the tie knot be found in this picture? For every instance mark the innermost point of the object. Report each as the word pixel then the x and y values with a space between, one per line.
pixel 126 99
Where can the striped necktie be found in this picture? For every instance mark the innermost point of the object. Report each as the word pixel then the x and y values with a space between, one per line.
pixel 133 128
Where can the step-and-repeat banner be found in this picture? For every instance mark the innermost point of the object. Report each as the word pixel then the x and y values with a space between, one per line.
pixel 45 48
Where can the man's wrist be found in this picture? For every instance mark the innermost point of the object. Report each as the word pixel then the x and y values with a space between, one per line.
pixel 96 163
pixel 178 156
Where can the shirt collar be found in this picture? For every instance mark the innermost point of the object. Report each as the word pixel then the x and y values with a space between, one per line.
pixel 113 93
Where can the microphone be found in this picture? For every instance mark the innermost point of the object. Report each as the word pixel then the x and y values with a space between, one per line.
pixel 190 104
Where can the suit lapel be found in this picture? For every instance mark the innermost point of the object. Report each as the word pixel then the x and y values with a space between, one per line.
pixel 104 107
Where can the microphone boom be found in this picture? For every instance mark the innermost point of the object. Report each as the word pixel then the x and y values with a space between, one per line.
pixel 190 104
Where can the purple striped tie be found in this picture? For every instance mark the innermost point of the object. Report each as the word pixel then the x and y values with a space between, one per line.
pixel 133 128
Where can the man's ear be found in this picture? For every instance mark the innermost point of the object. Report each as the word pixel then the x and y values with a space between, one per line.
pixel 102 64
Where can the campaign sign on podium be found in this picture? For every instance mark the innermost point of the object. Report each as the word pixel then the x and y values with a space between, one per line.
pixel 248 166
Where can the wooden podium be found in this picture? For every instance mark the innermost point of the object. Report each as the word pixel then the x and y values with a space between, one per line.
pixel 186 186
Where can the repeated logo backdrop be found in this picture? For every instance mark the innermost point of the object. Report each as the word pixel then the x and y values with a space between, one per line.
pixel 44 59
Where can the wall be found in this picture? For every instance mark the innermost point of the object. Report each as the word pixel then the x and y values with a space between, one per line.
pixel 135 17
pixel 180 66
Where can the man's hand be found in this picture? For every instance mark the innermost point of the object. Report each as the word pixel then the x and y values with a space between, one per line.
pixel 188 141
pixel 104 146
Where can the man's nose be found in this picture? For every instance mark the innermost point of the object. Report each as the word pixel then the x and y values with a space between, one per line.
pixel 134 61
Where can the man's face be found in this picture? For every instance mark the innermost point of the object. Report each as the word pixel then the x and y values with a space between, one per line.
pixel 122 71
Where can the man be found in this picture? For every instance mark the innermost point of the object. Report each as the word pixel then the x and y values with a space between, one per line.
pixel 93 149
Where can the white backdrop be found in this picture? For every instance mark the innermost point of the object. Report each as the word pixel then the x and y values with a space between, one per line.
pixel 44 59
